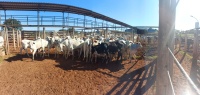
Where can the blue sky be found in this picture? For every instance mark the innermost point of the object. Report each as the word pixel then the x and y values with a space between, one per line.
pixel 184 10
pixel 133 12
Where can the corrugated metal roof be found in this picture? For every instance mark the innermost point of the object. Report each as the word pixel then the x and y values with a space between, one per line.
pixel 32 6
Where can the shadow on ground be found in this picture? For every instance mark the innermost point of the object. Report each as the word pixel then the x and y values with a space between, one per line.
pixel 142 78
pixel 79 64
pixel 69 64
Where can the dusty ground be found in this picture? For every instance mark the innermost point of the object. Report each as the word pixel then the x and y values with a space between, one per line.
pixel 57 76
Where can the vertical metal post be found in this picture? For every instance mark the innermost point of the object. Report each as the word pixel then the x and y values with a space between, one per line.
pixel 41 20
pixel 73 32
pixel 67 19
pixel 121 28
pixel 63 21
pixel 5 15
pixel 74 21
pixel 43 33
pixel 102 24
pixel 27 20
pixel 0 17
pixel 77 21
pixel 106 32
pixel 95 25
pixel 38 23
pixel 115 27
pixel 84 24
pixel 132 35
pixel 54 19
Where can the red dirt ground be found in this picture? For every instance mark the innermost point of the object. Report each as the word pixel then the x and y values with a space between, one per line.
pixel 57 76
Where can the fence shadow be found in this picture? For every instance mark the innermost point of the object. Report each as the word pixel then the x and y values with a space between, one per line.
pixel 182 58
pixel 145 77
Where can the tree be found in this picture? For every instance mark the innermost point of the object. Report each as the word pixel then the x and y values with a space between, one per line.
pixel 16 23
pixel 62 30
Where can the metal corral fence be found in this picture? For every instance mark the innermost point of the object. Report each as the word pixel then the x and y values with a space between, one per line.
pixel 184 73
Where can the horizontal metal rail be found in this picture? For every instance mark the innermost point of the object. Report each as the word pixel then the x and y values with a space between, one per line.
pixel 170 80
pixel 30 19
pixel 184 73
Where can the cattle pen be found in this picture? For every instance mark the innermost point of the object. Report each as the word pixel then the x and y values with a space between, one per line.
pixel 163 65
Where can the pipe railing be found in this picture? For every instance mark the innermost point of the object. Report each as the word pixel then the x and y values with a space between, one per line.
pixel 170 80
pixel 184 73
pixel 50 20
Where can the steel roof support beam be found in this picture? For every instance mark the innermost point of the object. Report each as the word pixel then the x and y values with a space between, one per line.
pixel 63 20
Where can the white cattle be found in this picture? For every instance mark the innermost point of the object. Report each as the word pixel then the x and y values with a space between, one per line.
pixel 25 45
pixel 74 44
pixel 52 42
pixel 62 46
pixel 86 47
pixel 133 49
pixel 37 44
pixel 1 42
pixel 69 45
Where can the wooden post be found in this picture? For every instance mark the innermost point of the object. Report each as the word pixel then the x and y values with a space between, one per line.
pixel 5 40
pixel 43 33
pixel 171 41
pixel 163 64
pixel 17 38
pixel 20 37
pixel 14 38
pixel 194 69
pixel 7 43
pixel 180 40
pixel 185 46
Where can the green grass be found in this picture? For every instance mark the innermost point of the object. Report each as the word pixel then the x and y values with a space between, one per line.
pixel 1 59
pixel 151 57
pixel 188 35
pixel 6 57
pixel 182 52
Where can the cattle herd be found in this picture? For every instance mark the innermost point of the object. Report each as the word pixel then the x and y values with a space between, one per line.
pixel 89 48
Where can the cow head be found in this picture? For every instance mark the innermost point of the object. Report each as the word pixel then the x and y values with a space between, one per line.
pixel 61 46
